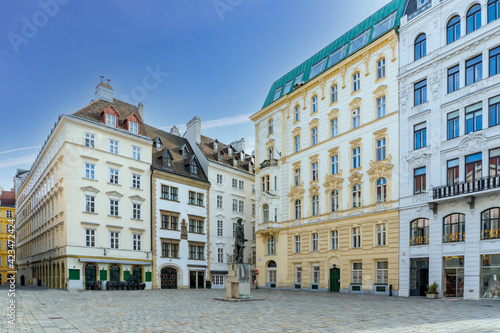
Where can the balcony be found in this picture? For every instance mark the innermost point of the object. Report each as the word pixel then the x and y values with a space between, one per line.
pixel 269 163
pixel 467 187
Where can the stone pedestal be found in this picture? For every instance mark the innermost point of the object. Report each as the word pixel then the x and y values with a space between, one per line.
pixel 238 281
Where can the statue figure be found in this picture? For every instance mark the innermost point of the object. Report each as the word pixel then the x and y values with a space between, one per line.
pixel 239 244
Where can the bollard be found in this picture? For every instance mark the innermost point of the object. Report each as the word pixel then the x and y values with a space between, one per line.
pixel 390 290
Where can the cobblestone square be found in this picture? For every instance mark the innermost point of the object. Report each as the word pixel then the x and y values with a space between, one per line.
pixel 47 310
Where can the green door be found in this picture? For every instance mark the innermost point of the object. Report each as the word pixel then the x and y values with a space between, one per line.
pixel 335 279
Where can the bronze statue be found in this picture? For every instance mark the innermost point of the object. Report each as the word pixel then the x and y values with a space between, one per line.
pixel 239 244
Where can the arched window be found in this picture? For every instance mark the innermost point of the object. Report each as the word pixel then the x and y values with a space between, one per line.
pixel 420 46
pixel 298 209
pixel 419 232
pixel 454 228
pixel 453 29
pixel 474 18
pixel 493 10
pixel 271 245
pixel 315 205
pixel 265 213
pixel 334 201
pixel 381 190
pixel 356 196
pixel 490 224
pixel 271 272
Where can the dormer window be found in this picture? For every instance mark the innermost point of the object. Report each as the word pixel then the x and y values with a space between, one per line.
pixel 235 162
pixel 229 150
pixel 168 162
pixel 193 168
pixel 221 156
pixel 215 145
pixel 158 144
pixel 133 127
pixel 110 120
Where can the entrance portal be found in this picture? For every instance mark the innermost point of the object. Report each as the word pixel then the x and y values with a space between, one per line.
pixel 90 275
pixel 335 279
pixel 168 278
pixel 419 276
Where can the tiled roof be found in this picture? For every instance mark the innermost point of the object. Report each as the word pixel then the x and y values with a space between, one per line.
pixel 395 6
pixel 208 149
pixel 7 198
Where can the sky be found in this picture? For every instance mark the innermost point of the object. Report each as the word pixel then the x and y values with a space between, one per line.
pixel 215 59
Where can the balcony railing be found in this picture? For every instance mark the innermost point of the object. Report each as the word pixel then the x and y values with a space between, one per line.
pixel 268 163
pixel 466 187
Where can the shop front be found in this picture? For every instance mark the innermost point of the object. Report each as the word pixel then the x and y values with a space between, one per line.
pixel 490 276
pixel 453 276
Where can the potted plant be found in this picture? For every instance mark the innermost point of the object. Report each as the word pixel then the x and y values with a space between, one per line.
pixel 432 291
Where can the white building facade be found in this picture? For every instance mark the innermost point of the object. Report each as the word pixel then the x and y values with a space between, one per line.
pixel 450 161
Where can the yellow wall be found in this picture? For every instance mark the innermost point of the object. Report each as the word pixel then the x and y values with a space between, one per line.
pixel 4 237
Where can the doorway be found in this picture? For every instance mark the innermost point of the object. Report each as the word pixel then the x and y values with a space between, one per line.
pixel 419 276
pixel 137 273
pixel 114 273
pixel 335 279
pixel 454 276
pixel 90 275
pixel 168 278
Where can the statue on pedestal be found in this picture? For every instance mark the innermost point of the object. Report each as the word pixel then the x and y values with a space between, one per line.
pixel 239 244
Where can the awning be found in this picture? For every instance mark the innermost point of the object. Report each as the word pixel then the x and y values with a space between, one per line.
pixel 116 261
pixel 218 272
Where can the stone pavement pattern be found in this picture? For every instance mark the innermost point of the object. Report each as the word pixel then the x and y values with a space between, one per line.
pixel 46 310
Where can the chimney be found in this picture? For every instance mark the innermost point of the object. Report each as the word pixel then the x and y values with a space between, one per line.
pixel 238 145
pixel 193 130
pixel 140 111
pixel 104 91
pixel 175 131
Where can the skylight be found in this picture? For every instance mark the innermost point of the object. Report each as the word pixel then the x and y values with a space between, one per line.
pixel 384 25
pixel 288 86
pixel 318 68
pixel 298 79
pixel 277 94
pixel 336 56
pixel 359 41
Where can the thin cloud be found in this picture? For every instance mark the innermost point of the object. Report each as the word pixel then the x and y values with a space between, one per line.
pixel 222 122
pixel 18 161
pixel 19 149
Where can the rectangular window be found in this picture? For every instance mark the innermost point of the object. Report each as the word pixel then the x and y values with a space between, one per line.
pixel 384 25
pixel 136 242
pixel 495 58
pixel 380 68
pixel 136 181
pixel 192 225
pixel 357 273
pixel 169 250
pixel 315 171
pixel 89 204
pixel 333 94
pixel 136 211
pixel 220 228
pixel 241 184
pixel 297 244
pixel 337 55
pixel 298 274
pixel 297 113
pixel 420 92
pixel 113 207
pixel 452 172
pixel 113 176
pixel 173 193
pixel 494 109
pixel 356 157
pixel 494 162
pixel 453 78
pixel 199 226
pixel 356 237
pixel 234 183
pixel 356 118
pixel 113 146
pixel 474 70
pixel 474 118
pixel 473 167
pixel 192 252
pixel 335 164
pixel 381 107
pixel 420 135
pixel 110 120
pixel 382 276
pixel 165 192
pixel 9 215
pixel 453 125
pixel 297 143
pixel 314 242
pixel 298 79
pixel 89 140
pixel 241 206
pixel 317 68
pixel 253 209
pixel 219 201
pixel 314 136
pixel 90 237
pixel 219 179
pixel 314 104
pixel 220 255
pixel 359 41
pixel 315 275
pixel 136 153
pixel 277 93
pixel 356 83
pixel 199 199
pixel 334 127
pixel 89 171
pixel 381 150
pixel 192 198
pixel 419 180
pixel 235 205
pixel 134 127
pixel 114 240
pixel 296 177
pixel 381 235
pixel 334 239
pixel 288 87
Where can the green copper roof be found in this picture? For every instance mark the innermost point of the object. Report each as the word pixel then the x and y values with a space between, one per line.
pixel 365 30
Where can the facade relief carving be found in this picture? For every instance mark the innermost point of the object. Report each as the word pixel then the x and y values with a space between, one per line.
pixel 473 142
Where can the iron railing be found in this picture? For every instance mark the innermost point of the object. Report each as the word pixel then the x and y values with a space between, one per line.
pixel 466 187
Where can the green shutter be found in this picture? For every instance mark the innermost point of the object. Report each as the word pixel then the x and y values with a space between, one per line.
pixel 103 275
pixel 126 275
pixel 148 276
pixel 74 274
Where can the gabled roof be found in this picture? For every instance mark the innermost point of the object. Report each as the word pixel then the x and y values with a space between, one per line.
pixel 395 6
pixel 212 154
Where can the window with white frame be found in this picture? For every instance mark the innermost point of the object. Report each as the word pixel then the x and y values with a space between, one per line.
pixel 381 190
pixel 335 164
pixel 110 120
pixel 270 154
pixel 114 240
pixel 219 201
pixel 113 207
pixel 234 183
pixel 296 140
pixel 241 206
pixel 380 68
pixel 8 214
pixel 265 213
pixel 315 171
pixel 334 201
pixel 334 235
pixel 136 211
pixel 334 127
pixel 356 118
pixel 382 272
pixel 315 205
pixel 381 155
pixel 357 273
pixel 297 113
pixel 356 157
pixel 241 184
pixel 314 136
pixel 219 179
pixel 270 128
pixel 271 245
pixel 381 107
pixel 271 272
pixel 298 274
pixel 220 255
pixel 314 104
pixel 113 146
pixel 136 242
pixel 113 176
pixel 314 242
pixel 315 275
pixel 296 177
pixel 90 237
pixel 133 127
pixel 220 228
pixel 381 235
pixel 356 196
pixel 90 140
pixel 356 237
pixel 136 181
pixel 136 153
pixel 235 205
pixel 333 94
pixel 89 204
pixel 297 244
pixel 89 171
pixel 356 83
pixel 298 209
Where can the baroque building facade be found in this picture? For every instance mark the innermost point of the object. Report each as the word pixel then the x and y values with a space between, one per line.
pixel 327 154
pixel 232 196
pixel 7 235
pixel 450 162
pixel 83 208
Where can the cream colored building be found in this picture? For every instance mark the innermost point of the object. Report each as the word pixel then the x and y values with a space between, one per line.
pixel 327 166
pixel 84 212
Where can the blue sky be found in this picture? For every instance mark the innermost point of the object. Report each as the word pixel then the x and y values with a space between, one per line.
pixel 221 56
